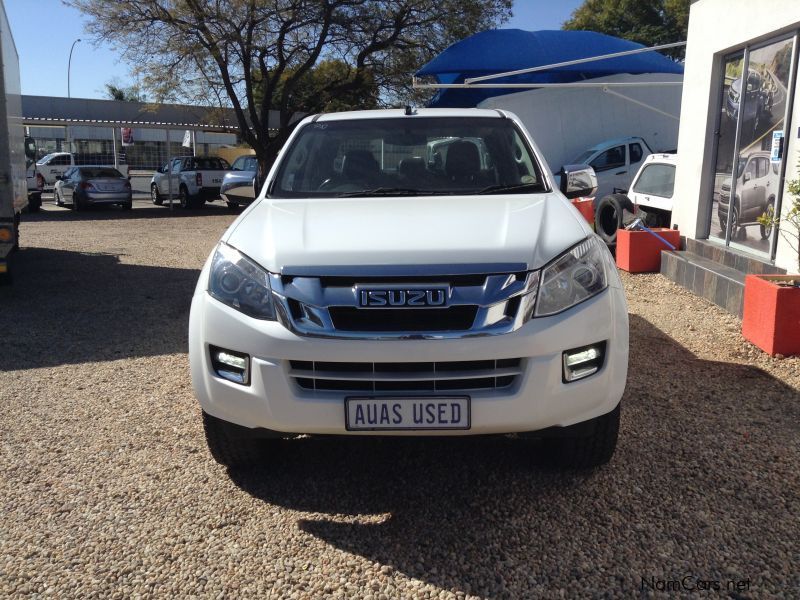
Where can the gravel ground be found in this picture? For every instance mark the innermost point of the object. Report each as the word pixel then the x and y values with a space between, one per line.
pixel 107 488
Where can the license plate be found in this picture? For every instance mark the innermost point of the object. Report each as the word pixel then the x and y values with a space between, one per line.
pixel 216 181
pixel 411 412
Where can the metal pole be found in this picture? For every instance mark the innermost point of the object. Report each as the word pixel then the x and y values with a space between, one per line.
pixel 194 143
pixel 169 170
pixel 69 64
pixel 573 62
pixel 114 145
pixel 530 86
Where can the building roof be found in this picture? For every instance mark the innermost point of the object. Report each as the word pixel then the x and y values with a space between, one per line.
pixel 47 110
pixel 502 50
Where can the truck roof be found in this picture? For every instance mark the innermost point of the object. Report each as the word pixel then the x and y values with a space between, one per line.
pixel 616 142
pixel 400 113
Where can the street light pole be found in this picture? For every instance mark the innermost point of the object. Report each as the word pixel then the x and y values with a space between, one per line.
pixel 69 68
pixel 69 63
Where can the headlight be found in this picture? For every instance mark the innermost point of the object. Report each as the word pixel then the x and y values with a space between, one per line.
pixel 575 276
pixel 240 283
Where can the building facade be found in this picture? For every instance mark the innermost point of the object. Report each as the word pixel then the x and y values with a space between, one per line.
pixel 739 138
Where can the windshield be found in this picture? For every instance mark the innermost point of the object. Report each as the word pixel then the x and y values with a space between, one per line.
pixel 408 156
pixel 583 157
pixel 45 158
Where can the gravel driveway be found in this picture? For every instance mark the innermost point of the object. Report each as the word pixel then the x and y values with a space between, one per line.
pixel 107 489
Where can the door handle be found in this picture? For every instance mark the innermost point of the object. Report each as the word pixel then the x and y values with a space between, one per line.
pixel 620 173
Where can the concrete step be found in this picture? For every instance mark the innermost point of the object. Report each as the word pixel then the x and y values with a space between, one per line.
pixel 713 272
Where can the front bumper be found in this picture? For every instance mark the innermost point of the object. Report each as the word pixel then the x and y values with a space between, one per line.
pixel 537 400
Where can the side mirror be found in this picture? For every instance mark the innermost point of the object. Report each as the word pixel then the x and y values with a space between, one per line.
pixel 747 177
pixel 578 181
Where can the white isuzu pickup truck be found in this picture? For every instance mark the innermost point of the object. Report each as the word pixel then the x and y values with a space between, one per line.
pixel 377 288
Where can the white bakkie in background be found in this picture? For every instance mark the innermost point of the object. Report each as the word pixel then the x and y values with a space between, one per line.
pixel 376 289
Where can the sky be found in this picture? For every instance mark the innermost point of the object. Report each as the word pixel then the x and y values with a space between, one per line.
pixel 44 30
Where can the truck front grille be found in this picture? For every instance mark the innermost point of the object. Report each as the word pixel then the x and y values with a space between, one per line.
pixel 454 318
pixel 405 377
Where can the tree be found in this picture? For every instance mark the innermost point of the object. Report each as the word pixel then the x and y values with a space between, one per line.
pixel 292 56
pixel 648 22
pixel 116 91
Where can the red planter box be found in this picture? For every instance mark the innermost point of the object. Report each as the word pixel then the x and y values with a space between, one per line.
pixel 586 207
pixel 772 314
pixel 640 252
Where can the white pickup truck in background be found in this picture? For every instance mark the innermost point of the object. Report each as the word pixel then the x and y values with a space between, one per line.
pixel 192 179
pixel 54 165
pixel 649 197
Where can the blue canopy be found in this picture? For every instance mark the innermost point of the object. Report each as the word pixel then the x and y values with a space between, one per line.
pixel 501 50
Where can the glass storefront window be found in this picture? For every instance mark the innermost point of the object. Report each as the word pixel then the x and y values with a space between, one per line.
pixel 753 109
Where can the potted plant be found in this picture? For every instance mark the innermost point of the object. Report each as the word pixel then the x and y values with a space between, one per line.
pixel 771 318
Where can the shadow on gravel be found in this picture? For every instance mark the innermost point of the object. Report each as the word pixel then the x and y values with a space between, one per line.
pixel 142 209
pixel 691 491
pixel 72 307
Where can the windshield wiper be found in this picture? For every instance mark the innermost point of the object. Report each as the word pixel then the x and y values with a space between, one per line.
pixel 516 187
pixel 386 191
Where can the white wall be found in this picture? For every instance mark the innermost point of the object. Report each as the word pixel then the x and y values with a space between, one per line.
pixel 717 27
pixel 566 121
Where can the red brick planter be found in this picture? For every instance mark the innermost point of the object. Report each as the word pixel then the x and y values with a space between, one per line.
pixel 586 207
pixel 772 314
pixel 640 252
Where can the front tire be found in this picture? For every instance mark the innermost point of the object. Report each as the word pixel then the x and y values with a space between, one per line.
pixel 586 451
pixel 769 213
pixel 228 448
pixel 155 196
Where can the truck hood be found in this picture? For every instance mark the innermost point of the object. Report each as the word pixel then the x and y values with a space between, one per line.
pixel 529 229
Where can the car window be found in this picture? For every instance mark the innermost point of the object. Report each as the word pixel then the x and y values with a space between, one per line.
pixel 635 152
pixel 251 164
pixel 762 167
pixel 176 165
pixel 45 159
pixel 211 163
pixel 436 155
pixel 100 172
pixel 750 169
pixel 62 160
pixel 656 180
pixel 238 164
pixel 610 159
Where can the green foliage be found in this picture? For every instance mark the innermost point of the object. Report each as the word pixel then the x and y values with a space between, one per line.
pixel 648 22
pixel 115 91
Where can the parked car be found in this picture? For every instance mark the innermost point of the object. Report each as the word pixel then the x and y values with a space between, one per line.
pixel 756 189
pixel 650 196
pixel 239 186
pixel 758 101
pixel 350 299
pixel 194 180
pixel 58 163
pixel 615 162
pixel 83 187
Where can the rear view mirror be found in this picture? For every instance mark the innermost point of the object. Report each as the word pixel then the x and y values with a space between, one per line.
pixel 578 181
pixel 747 177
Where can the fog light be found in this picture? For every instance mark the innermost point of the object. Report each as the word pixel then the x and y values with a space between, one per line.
pixel 230 365
pixel 582 362
pixel 6 234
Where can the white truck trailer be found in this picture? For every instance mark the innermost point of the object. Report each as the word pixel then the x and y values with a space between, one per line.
pixel 13 182
pixel 567 122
